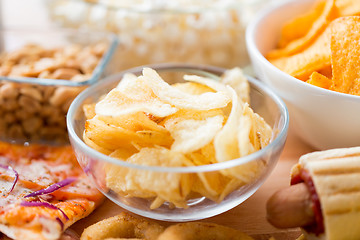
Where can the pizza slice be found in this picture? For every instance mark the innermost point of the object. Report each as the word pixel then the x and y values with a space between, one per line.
pixel 43 191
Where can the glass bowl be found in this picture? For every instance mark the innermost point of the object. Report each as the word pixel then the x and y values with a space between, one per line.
pixel 263 101
pixel 41 72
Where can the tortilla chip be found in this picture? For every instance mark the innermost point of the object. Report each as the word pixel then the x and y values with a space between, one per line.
pixel 345 49
pixel 298 27
pixel 329 13
pixel 319 80
pixel 316 57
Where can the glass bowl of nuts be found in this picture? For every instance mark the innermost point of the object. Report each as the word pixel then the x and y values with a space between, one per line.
pixel 41 72
pixel 178 142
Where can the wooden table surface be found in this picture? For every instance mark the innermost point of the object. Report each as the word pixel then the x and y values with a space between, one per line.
pixel 250 216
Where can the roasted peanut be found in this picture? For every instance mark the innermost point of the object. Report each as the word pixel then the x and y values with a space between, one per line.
pixel 9 117
pixel 65 73
pixel 80 77
pixel 62 94
pixel 3 125
pixel 29 104
pixel 38 112
pixel 9 90
pixel 51 132
pixel 22 114
pixel 48 91
pixel 15 131
pixel 89 63
pixel 31 92
pixel 31 125
pixel 45 74
pixel 10 104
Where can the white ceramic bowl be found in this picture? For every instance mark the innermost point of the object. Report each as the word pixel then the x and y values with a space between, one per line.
pixel 323 118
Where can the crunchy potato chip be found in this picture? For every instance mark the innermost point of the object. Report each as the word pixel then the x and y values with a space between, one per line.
pixel 244 144
pixel 345 49
pixel 95 146
pixel 180 99
pixel 135 122
pixel 213 84
pixel 89 110
pixel 192 88
pixel 319 80
pixel 132 96
pixel 237 80
pixel 253 134
pixel 329 13
pixel 191 130
pixel 298 27
pixel 127 82
pixel 171 187
pixel 113 137
pixel 225 142
pixel 303 64
pixel 261 132
pixel 123 153
pixel 210 184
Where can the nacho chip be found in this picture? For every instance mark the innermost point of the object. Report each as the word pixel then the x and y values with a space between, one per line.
pixel 329 13
pixel 326 71
pixel 345 49
pixel 303 64
pixel 301 25
pixel 319 80
pixel 179 99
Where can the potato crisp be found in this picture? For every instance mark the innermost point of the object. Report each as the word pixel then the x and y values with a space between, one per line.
pixel 146 121
pixel 322 46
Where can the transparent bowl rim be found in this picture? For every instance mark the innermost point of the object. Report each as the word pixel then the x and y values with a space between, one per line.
pixel 252 30
pixel 96 74
pixel 203 69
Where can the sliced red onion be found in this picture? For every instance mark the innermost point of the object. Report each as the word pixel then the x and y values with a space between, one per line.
pixel 60 222
pixel 43 204
pixel 15 173
pixel 52 187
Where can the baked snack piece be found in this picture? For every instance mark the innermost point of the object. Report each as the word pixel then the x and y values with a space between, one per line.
pixel 43 191
pixel 324 198
pixel 336 177
pixel 125 226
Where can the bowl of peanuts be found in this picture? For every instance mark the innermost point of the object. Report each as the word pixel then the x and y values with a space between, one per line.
pixel 41 72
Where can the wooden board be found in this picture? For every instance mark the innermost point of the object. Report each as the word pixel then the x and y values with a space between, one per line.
pixel 250 216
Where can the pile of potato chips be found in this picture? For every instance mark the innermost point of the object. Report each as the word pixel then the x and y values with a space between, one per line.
pixel 322 47
pixel 146 121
